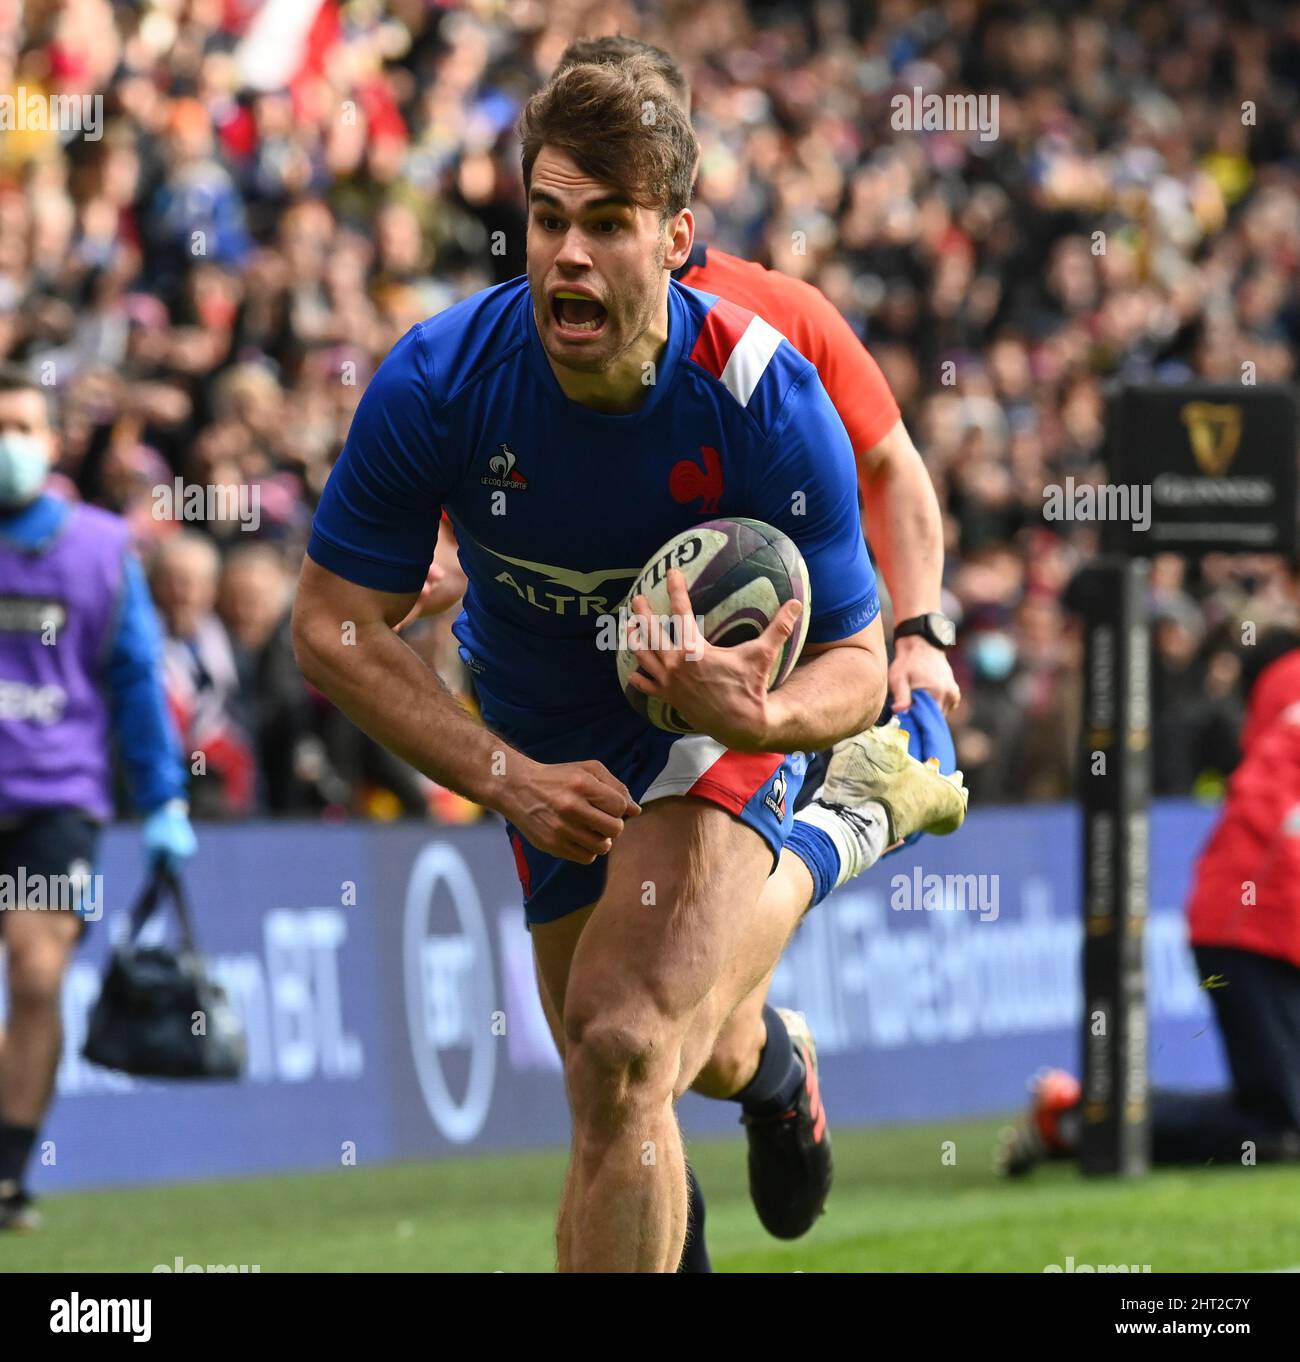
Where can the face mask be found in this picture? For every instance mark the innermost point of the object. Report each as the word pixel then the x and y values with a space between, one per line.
pixel 993 656
pixel 23 468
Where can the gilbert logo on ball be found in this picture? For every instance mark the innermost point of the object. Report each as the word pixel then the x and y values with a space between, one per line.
pixel 739 573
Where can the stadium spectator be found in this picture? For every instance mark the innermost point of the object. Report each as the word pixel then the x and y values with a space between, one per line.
pixel 253 603
pixel 201 677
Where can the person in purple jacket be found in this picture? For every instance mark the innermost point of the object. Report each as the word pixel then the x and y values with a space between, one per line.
pixel 79 674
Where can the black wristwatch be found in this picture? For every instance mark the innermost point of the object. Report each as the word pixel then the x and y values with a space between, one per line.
pixel 934 628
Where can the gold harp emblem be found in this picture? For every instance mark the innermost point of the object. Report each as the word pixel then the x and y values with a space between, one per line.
pixel 1214 430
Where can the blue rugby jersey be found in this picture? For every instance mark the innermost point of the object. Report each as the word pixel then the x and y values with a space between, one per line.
pixel 558 507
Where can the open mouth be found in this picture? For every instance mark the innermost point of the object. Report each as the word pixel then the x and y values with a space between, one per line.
pixel 577 314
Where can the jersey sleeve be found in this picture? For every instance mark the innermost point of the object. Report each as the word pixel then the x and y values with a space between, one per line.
pixel 377 522
pixel 852 379
pixel 807 486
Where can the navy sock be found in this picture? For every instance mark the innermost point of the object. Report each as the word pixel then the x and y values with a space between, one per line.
pixel 695 1255
pixel 15 1149
pixel 815 849
pixel 780 1072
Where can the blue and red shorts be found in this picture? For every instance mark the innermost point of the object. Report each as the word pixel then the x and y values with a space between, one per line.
pixel 758 788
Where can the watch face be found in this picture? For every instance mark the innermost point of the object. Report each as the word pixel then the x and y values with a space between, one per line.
pixel 942 628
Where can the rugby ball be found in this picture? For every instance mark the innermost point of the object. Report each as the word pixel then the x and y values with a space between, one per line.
pixel 739 573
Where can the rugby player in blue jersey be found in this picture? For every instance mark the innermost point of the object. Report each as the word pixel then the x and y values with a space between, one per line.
pixel 662 874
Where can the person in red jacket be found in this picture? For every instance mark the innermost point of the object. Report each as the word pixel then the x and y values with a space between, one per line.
pixel 1244 924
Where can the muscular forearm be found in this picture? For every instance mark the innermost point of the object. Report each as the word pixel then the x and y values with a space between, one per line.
pixel 827 698
pixel 904 524
pixel 389 693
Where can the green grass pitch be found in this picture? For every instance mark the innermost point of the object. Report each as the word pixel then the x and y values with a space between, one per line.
pixel 896 1207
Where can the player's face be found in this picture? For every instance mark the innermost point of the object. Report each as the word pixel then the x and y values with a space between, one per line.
pixel 595 264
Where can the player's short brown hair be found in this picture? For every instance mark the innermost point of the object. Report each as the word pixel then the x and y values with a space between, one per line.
pixel 621 124
pixel 618 47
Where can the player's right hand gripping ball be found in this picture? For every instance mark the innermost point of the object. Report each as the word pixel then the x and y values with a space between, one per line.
pixel 739 573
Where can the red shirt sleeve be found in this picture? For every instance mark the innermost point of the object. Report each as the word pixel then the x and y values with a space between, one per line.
pixel 848 373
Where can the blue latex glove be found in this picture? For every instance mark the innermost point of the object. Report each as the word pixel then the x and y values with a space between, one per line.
pixel 168 836
pixel 930 736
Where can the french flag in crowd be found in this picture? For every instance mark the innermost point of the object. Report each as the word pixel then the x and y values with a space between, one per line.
pixel 284 41
pixel 286 45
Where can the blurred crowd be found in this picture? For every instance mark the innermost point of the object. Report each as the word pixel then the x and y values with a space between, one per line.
pixel 281 188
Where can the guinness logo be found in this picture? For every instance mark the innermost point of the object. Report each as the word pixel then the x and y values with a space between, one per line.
pixel 1214 430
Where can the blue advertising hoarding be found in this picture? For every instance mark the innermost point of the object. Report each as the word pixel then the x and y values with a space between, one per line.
pixel 385 979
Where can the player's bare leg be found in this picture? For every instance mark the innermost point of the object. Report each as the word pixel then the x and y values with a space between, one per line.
pixel 781 905
pixel 874 795
pixel 725 1043
pixel 654 949
pixel 653 978
pixel 872 771
pixel 738 1048
pixel 783 900
pixel 553 947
